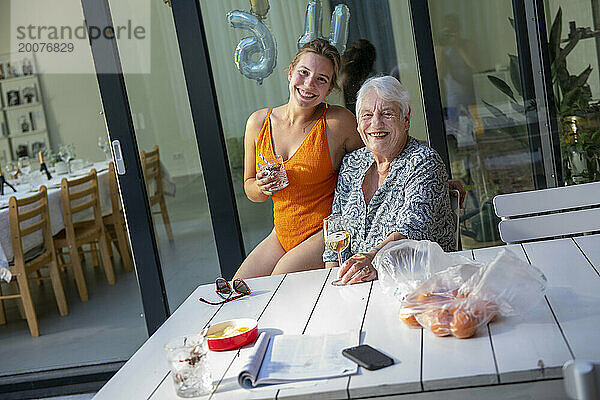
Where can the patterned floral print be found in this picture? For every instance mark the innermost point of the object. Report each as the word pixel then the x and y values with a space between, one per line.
pixel 413 200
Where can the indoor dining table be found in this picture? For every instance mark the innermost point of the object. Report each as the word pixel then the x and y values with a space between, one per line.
pixel 54 207
pixel 512 357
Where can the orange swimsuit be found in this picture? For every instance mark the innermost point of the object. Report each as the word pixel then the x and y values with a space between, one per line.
pixel 299 209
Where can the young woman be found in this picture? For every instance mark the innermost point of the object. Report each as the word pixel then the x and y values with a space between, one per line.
pixel 312 137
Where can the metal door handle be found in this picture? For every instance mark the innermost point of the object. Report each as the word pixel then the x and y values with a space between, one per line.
pixel 118 156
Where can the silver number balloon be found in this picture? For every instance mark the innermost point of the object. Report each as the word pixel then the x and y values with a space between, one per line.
pixel 312 23
pixel 338 35
pixel 261 47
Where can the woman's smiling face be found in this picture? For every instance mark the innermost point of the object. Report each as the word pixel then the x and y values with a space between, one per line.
pixel 310 80
pixel 382 127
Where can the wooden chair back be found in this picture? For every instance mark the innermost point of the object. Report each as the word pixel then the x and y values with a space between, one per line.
pixel 30 216
pixel 538 214
pixel 114 189
pixel 79 195
pixel 152 174
pixel 153 177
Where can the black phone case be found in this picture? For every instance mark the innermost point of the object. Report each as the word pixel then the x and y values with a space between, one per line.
pixel 367 357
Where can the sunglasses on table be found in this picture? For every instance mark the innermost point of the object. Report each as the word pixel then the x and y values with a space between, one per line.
pixel 226 291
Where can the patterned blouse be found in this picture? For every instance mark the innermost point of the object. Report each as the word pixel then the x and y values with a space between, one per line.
pixel 413 200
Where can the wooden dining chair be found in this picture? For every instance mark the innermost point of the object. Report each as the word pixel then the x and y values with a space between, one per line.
pixel 153 175
pixel 115 222
pixel 29 216
pixel 81 195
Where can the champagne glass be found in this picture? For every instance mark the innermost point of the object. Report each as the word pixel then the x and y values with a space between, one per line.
pixel 337 237
pixel 24 164
pixel 103 144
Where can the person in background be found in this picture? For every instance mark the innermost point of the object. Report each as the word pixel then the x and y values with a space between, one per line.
pixel 391 189
pixel 357 65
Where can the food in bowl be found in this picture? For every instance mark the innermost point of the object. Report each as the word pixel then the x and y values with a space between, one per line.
pixel 232 334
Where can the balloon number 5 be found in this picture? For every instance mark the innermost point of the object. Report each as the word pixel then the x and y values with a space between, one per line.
pixel 338 35
pixel 260 47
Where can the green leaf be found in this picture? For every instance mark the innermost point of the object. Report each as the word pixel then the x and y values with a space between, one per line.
pixel 515 75
pixel 498 113
pixel 517 107
pixel 502 86
pixel 555 32
pixel 582 77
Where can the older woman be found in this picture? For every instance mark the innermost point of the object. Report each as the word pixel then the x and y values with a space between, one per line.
pixel 391 189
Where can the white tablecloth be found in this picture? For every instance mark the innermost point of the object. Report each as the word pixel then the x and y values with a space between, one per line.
pixel 55 209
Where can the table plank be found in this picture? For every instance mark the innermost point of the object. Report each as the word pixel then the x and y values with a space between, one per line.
pixel 340 308
pixel 133 382
pixel 591 248
pixel 300 291
pixel 449 362
pixel 518 345
pixel 574 292
pixel 251 306
pixel 384 331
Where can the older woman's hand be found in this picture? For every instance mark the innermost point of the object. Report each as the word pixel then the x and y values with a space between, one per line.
pixel 356 269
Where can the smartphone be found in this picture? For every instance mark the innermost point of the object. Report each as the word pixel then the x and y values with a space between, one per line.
pixel 367 357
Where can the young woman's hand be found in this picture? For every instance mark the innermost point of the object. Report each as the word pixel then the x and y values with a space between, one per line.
pixel 265 183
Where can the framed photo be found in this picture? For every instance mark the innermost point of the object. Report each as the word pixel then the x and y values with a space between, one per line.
pixel 27 67
pixel 28 94
pixel 13 98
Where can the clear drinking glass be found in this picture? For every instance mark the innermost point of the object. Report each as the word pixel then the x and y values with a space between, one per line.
pixel 275 168
pixel 24 164
pixel 103 145
pixel 337 237
pixel 187 357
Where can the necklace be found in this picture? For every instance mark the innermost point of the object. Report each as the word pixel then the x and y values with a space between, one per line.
pixel 310 120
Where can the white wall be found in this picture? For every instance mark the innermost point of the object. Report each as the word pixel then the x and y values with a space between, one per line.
pixel 158 100
pixel 72 102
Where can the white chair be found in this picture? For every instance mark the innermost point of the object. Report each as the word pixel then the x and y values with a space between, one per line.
pixel 538 214
pixel 582 379
pixel 455 204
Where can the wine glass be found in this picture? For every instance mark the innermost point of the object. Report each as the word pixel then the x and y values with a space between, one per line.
pixel 103 144
pixel 10 169
pixel 24 164
pixel 337 237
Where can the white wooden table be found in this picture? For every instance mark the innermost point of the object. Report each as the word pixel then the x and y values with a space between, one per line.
pixel 511 358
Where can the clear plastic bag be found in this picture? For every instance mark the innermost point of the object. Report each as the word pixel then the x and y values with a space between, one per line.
pixel 452 295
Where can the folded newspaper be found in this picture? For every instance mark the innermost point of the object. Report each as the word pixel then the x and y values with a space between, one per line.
pixel 291 358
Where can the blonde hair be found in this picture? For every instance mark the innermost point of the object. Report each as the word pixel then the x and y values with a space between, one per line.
pixel 322 48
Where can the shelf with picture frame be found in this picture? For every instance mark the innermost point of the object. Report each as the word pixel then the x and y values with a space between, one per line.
pixel 23 111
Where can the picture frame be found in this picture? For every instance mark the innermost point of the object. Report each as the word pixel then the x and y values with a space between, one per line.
pixel 29 95
pixel 13 98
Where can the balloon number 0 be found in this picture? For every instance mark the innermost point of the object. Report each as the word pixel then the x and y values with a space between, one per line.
pixel 255 57
pixel 338 35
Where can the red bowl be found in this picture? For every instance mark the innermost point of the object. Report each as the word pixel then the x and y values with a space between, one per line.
pixel 234 340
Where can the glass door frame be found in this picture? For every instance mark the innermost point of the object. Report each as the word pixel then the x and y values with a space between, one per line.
pixel 211 145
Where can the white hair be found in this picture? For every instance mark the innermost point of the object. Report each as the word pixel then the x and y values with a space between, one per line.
pixel 389 89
